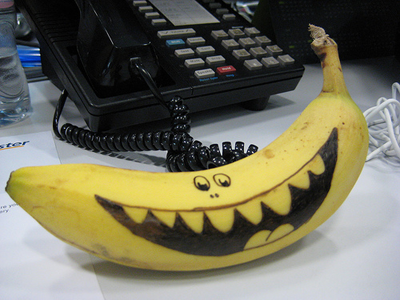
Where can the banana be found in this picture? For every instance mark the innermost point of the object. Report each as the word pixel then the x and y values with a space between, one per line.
pixel 217 217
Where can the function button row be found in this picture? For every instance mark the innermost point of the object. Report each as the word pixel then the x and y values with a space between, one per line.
pixel 219 10
pixel 188 52
pixel 199 62
pixel 191 41
pixel 145 8
pixel 207 73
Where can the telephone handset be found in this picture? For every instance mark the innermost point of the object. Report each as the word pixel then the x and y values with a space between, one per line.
pixel 108 37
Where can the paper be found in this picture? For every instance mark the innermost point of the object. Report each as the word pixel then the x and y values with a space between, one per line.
pixel 184 12
pixel 35 264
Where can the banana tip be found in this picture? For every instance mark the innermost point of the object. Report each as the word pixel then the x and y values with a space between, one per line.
pixel 8 182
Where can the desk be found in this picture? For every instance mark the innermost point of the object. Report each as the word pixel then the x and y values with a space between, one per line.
pixel 354 255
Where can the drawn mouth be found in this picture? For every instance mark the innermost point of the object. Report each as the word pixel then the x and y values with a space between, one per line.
pixel 250 224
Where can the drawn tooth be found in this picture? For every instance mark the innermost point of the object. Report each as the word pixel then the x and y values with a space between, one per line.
pixel 136 214
pixel 251 211
pixel 195 220
pixel 317 165
pixel 221 219
pixel 301 179
pixel 258 239
pixel 167 217
pixel 280 232
pixel 279 199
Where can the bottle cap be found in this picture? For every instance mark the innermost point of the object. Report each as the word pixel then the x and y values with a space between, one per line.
pixel 6 3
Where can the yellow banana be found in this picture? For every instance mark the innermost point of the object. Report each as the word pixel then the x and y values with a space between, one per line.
pixel 213 218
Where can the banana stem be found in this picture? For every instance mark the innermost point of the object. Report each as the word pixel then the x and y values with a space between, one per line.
pixel 327 51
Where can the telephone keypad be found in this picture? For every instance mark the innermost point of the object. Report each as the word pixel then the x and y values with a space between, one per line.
pixel 223 50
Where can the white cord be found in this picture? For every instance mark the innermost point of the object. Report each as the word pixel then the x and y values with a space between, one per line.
pixel 384 133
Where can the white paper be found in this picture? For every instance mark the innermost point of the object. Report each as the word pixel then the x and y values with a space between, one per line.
pixel 35 264
pixel 184 12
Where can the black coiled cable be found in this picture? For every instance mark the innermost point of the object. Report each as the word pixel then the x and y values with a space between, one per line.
pixel 184 153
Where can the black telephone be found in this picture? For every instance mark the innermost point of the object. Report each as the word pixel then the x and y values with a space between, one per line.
pixel 201 50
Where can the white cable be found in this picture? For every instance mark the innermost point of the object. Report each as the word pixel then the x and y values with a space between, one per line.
pixel 384 133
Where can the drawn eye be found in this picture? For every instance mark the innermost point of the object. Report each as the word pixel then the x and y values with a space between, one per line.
pixel 222 180
pixel 201 183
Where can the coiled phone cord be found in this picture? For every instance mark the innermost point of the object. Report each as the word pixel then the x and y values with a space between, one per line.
pixel 184 153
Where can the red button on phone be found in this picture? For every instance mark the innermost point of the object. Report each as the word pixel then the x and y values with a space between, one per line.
pixel 225 70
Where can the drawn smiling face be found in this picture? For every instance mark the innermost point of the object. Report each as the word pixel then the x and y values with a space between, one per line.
pixel 243 233
pixel 203 184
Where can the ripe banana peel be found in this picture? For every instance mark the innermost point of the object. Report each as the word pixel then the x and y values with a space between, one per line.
pixel 213 218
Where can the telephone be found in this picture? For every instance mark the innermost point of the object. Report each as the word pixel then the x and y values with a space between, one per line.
pixel 201 50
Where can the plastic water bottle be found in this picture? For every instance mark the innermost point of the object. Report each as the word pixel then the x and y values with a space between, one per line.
pixel 15 102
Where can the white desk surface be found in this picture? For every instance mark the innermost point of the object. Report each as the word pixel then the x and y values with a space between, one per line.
pixel 354 255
